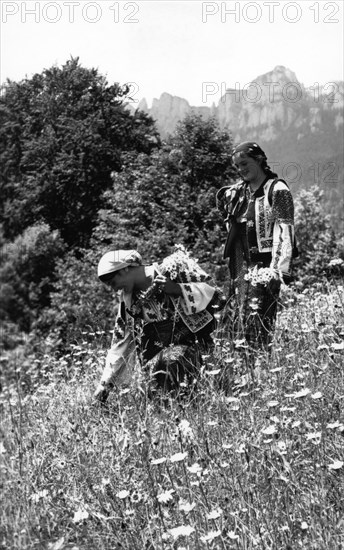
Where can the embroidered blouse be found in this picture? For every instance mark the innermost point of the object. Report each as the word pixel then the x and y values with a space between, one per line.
pixel 269 228
pixel 190 307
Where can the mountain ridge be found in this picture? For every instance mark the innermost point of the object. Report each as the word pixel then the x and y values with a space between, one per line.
pixel 277 86
pixel 300 129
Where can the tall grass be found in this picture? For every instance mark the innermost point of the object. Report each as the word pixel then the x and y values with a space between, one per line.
pixel 258 468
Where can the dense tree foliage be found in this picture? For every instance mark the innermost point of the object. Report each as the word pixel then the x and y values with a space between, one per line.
pixel 318 244
pixel 27 275
pixel 139 209
pixel 78 302
pixel 62 133
pixel 167 197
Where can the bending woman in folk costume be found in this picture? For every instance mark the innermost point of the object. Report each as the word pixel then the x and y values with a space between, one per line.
pixel 259 214
pixel 164 318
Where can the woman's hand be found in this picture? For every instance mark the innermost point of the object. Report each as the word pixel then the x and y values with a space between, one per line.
pixel 275 283
pixel 169 287
pixel 102 393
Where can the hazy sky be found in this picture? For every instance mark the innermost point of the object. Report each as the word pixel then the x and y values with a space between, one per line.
pixel 175 46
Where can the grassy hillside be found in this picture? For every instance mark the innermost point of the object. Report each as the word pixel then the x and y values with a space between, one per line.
pixel 260 467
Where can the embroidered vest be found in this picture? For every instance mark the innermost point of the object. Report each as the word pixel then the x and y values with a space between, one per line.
pixel 263 219
pixel 230 201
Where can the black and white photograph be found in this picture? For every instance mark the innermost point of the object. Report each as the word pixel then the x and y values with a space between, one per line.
pixel 172 275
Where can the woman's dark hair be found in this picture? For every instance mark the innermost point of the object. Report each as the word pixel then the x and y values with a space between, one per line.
pixel 252 150
pixel 108 277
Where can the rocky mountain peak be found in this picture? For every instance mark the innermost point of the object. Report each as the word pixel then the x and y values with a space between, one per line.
pixel 143 106
pixel 280 75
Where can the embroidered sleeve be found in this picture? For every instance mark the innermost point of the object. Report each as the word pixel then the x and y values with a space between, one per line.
pixel 282 248
pixel 283 231
pixel 193 281
pixel 195 297
pixel 282 204
pixel 120 358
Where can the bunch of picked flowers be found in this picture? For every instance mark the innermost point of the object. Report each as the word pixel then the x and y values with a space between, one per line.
pixel 182 266
pixel 259 275
pixel 178 266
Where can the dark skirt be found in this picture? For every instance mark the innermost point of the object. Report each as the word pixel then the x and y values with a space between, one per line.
pixel 255 313
pixel 254 307
pixel 171 354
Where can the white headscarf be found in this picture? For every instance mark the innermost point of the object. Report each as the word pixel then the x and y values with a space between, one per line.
pixel 118 259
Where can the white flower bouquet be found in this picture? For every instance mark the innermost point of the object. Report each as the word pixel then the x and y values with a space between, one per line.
pixel 259 275
pixel 180 265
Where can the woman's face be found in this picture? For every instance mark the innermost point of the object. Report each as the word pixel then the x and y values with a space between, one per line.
pixel 248 168
pixel 121 280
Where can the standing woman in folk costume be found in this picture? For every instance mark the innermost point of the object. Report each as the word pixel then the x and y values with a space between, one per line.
pixel 164 319
pixel 259 215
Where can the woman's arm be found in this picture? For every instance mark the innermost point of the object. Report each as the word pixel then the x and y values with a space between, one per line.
pixel 283 230
pixel 120 358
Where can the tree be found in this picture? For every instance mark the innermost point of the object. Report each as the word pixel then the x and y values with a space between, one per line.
pixel 200 153
pixel 139 209
pixel 78 302
pixel 27 274
pixel 317 242
pixel 168 197
pixel 62 134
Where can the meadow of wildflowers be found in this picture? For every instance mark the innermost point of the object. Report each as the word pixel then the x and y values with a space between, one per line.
pixel 258 467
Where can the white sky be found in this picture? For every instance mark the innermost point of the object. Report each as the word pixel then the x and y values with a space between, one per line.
pixel 164 46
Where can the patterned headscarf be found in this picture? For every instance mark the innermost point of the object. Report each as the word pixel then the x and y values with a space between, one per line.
pixel 250 148
pixel 116 260
pixel 254 151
